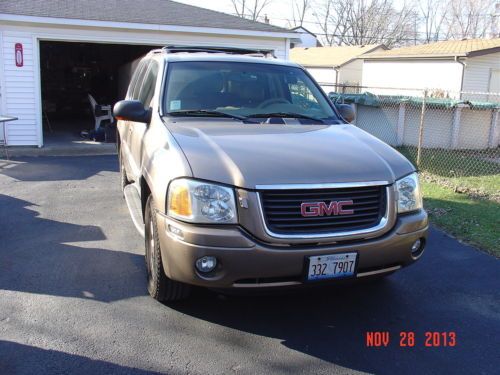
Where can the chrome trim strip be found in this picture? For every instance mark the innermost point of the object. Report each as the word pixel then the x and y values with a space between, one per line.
pixel 266 285
pixel 376 272
pixel 380 226
pixel 333 185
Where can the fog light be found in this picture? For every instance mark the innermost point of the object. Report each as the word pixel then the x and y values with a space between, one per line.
pixel 415 248
pixel 206 264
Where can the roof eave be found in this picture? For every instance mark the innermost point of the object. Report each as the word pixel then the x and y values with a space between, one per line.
pixel 414 57
pixel 482 52
pixel 318 66
pixel 15 18
pixel 360 56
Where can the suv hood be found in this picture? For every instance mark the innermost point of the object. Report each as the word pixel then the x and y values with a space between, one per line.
pixel 246 155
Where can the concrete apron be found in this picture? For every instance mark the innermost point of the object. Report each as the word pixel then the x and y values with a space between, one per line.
pixel 60 149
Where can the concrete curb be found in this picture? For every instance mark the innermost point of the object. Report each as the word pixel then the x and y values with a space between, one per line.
pixel 61 150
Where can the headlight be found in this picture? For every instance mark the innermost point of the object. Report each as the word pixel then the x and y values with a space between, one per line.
pixel 201 202
pixel 409 195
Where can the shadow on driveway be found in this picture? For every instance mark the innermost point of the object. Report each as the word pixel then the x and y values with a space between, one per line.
pixel 35 257
pixel 58 168
pixel 24 359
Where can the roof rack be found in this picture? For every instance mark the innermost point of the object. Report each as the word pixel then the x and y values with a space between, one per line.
pixel 227 50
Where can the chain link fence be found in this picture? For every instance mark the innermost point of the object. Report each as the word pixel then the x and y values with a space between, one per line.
pixel 452 138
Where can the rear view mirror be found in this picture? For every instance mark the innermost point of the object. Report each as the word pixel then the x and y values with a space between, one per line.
pixel 347 112
pixel 131 110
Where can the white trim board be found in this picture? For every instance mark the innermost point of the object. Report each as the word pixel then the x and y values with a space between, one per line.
pixel 143 26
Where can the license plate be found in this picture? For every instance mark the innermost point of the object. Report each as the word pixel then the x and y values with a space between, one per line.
pixel 332 266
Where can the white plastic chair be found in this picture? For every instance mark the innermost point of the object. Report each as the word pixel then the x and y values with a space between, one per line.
pixel 105 108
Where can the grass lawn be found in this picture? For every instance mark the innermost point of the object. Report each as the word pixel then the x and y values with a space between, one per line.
pixel 476 221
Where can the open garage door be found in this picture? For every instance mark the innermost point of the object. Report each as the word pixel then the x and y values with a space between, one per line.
pixel 70 71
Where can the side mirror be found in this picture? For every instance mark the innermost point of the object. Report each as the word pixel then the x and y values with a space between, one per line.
pixel 347 112
pixel 131 110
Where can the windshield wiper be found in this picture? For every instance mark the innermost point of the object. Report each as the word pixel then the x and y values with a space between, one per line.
pixel 285 115
pixel 195 112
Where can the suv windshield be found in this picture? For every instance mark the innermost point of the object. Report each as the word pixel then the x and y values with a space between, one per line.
pixel 240 90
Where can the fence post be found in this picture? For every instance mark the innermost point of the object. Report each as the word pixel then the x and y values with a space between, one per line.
pixel 494 136
pixel 421 130
pixel 455 127
pixel 400 130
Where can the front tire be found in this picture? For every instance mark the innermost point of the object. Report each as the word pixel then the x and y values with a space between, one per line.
pixel 160 287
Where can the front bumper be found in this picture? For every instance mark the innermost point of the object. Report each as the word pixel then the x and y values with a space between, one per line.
pixel 244 261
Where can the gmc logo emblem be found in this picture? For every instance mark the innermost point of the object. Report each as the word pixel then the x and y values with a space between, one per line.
pixel 335 208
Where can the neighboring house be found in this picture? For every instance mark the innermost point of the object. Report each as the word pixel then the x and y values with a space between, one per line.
pixel 53 52
pixel 307 38
pixel 333 66
pixel 446 68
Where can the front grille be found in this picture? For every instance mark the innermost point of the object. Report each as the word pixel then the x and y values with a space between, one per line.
pixel 282 210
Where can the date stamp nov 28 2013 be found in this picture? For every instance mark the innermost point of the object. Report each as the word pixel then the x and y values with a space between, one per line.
pixel 409 339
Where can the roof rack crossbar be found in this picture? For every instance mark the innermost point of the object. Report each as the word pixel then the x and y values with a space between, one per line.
pixel 210 49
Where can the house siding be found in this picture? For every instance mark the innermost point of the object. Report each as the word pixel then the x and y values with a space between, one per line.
pixel 477 75
pixel 19 90
pixel 20 86
pixel 326 77
pixel 412 74
pixel 351 73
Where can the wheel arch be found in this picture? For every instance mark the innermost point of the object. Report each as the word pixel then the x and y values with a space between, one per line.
pixel 145 193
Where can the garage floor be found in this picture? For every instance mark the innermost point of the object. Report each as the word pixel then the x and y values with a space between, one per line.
pixel 73 298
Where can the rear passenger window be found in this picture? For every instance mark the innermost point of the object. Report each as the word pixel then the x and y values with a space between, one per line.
pixel 135 78
pixel 148 85
pixel 140 78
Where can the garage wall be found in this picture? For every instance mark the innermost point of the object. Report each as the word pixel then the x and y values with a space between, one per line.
pixel 417 74
pixel 326 77
pixel 479 71
pixel 21 92
pixel 351 73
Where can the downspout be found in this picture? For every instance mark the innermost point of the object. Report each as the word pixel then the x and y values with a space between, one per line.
pixel 336 68
pixel 457 59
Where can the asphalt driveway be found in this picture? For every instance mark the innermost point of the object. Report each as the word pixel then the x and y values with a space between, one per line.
pixel 73 298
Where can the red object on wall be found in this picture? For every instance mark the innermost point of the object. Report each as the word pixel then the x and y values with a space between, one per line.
pixel 19 55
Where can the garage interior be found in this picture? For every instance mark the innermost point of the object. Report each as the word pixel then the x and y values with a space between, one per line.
pixel 69 72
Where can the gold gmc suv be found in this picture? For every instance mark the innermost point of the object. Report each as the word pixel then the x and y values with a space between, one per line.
pixel 240 173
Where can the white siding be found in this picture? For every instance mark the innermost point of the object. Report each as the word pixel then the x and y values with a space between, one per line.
pixel 326 77
pixel 19 90
pixel 477 75
pixel 414 74
pixel 1 87
pixel 20 86
pixel 323 75
pixel 351 73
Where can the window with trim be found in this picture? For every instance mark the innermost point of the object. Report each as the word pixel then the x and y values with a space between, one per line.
pixel 148 84
pixel 135 78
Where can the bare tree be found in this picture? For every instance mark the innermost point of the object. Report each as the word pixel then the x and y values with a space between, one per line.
pixel 251 9
pixel 360 22
pixel 300 9
pixel 332 25
pixel 470 18
pixel 433 13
